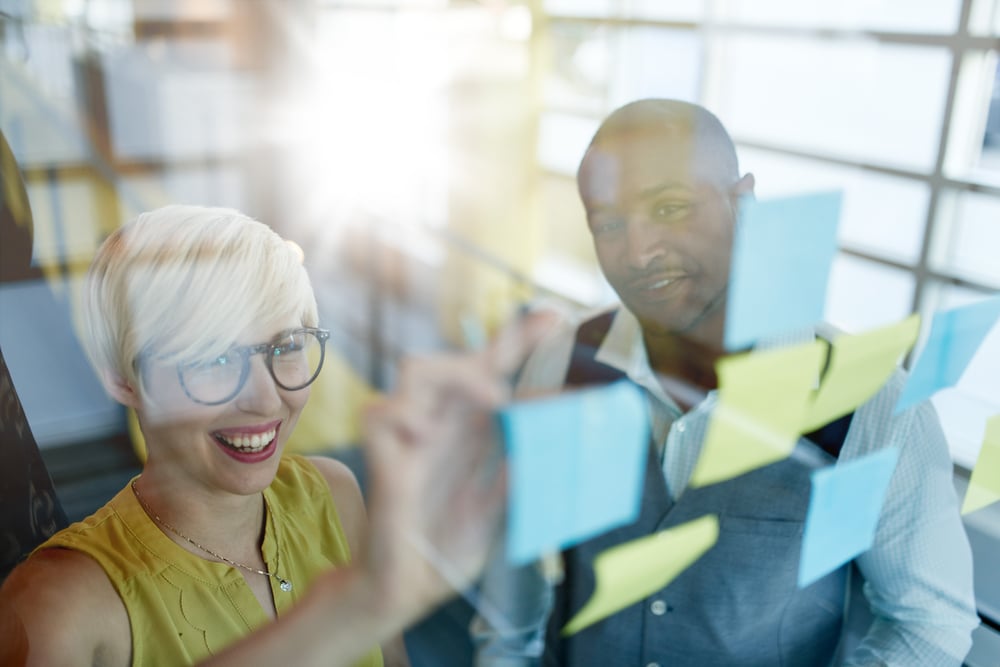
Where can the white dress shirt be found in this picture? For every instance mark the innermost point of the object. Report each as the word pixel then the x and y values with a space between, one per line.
pixel 918 572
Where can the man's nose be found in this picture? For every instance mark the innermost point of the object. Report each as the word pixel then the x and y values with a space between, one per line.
pixel 260 392
pixel 644 243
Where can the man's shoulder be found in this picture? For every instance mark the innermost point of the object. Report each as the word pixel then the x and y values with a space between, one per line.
pixel 916 430
pixel 546 366
pixel 584 367
pixel 593 326
pixel 587 329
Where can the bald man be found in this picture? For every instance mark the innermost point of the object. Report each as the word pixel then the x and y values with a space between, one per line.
pixel 661 186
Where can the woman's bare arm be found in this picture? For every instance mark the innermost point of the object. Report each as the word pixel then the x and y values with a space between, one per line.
pixel 63 608
pixel 437 490
pixel 350 506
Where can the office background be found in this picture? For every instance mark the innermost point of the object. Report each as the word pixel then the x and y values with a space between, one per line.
pixel 422 152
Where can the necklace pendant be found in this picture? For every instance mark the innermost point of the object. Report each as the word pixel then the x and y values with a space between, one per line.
pixel 285 585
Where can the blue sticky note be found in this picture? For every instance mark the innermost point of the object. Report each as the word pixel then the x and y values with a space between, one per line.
pixel 782 253
pixel 576 464
pixel 844 509
pixel 955 336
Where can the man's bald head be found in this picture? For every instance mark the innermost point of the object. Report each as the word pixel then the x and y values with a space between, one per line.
pixel 661 187
pixel 693 129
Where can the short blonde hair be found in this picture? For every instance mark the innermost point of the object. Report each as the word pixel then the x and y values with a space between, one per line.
pixel 182 283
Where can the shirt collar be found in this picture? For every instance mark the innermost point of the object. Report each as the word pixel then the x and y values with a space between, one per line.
pixel 623 348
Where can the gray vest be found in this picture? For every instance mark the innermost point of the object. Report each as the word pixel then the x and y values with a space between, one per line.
pixel 739 604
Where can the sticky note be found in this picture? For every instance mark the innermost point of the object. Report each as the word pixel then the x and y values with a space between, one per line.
pixel 761 406
pixel 629 572
pixel 955 336
pixel 859 366
pixel 576 465
pixel 844 507
pixel 782 253
pixel 984 484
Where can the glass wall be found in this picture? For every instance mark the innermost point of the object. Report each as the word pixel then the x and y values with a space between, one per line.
pixel 423 153
pixel 893 104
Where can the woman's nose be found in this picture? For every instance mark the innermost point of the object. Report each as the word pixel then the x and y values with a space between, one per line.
pixel 260 393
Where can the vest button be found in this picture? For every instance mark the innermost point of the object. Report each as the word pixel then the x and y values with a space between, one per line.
pixel 658 607
pixel 653 664
pixel 681 427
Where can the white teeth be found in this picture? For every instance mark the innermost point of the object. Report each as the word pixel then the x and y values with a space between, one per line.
pixel 663 282
pixel 249 443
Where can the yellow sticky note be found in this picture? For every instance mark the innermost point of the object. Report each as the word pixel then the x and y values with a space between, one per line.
pixel 631 571
pixel 984 485
pixel 859 366
pixel 762 403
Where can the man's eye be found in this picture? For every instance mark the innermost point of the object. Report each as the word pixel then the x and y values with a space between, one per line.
pixel 672 210
pixel 607 226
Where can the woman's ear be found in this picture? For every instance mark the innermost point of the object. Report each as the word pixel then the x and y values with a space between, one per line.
pixel 120 390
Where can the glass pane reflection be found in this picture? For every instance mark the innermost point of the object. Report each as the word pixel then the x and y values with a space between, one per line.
pixel 968 235
pixel 882 215
pixel 863 294
pixel 923 16
pixel 964 409
pixel 857 100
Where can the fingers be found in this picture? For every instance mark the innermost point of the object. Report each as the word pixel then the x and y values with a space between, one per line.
pixel 458 442
pixel 378 426
pixel 441 482
pixel 426 382
pixel 510 348
pixel 436 464
pixel 446 403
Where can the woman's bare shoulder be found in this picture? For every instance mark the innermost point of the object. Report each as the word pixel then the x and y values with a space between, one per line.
pixel 68 610
pixel 346 497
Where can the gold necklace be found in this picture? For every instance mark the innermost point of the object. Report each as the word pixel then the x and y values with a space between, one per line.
pixel 283 584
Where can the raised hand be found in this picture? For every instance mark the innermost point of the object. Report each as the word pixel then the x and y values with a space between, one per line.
pixel 438 480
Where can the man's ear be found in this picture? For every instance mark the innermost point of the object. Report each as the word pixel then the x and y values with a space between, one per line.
pixel 745 185
pixel 120 390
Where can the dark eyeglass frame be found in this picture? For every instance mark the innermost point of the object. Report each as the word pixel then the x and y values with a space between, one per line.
pixel 267 349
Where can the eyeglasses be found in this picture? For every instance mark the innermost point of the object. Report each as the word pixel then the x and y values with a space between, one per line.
pixel 293 359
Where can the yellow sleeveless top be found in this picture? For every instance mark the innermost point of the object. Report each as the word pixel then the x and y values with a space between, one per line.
pixel 183 608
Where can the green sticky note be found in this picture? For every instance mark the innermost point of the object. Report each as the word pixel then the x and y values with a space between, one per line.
pixel 984 485
pixel 762 404
pixel 629 572
pixel 859 366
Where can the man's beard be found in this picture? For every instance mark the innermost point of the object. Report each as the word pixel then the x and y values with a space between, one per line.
pixel 709 309
pixel 651 326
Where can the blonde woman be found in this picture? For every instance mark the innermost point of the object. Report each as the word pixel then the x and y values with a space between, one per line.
pixel 223 550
